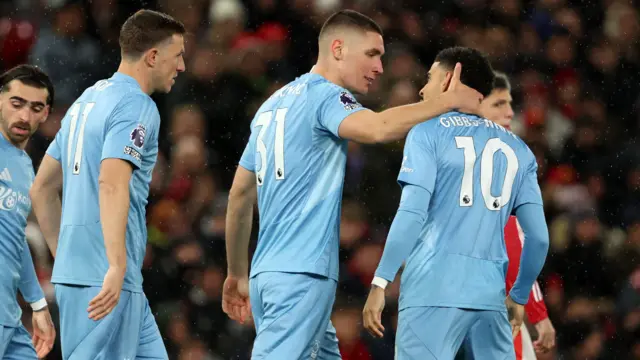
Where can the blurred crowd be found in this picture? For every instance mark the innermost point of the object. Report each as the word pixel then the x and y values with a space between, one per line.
pixel 575 71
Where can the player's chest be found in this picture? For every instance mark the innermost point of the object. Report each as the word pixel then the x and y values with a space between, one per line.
pixel 16 177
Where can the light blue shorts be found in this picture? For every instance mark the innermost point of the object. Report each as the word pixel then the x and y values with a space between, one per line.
pixel 15 344
pixel 292 314
pixel 128 332
pixel 428 333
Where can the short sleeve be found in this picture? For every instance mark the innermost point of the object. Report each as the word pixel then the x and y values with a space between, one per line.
pixel 336 104
pixel 530 190
pixel 134 122
pixel 54 149
pixel 248 159
pixel 419 165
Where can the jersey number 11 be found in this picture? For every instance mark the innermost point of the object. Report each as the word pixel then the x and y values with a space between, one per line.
pixel 75 113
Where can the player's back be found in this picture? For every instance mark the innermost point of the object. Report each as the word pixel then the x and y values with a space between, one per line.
pixel 299 163
pixel 99 125
pixel 478 172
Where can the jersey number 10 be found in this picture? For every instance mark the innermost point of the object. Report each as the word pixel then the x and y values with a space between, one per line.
pixel 74 113
pixel 494 203
pixel 263 122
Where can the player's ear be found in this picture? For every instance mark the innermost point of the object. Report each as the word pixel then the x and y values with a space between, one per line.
pixel 447 81
pixel 337 49
pixel 151 57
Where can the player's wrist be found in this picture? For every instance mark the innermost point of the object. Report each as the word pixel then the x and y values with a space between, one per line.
pixel 39 305
pixel 379 283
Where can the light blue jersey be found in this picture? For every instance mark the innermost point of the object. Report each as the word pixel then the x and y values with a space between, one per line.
pixel 299 161
pixel 18 273
pixel 112 119
pixel 477 172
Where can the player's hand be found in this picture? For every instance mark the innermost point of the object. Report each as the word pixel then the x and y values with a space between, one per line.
pixel 546 336
pixel 44 332
pixel 516 315
pixel 235 298
pixel 459 95
pixel 107 299
pixel 372 313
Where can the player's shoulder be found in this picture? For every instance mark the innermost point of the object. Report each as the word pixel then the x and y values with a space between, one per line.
pixel 430 127
pixel 322 89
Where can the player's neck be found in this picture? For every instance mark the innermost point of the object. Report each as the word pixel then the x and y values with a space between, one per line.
pixel 323 70
pixel 134 70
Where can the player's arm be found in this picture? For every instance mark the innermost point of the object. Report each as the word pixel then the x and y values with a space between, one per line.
pixel 535 308
pixel 29 285
pixel 404 232
pixel 44 332
pixel 417 177
pixel 242 198
pixel 45 196
pixel 113 185
pixel 403 236
pixel 530 214
pixel 370 127
pixel 536 311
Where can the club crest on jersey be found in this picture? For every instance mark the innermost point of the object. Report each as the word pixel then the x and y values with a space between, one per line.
pixel 348 101
pixel 137 136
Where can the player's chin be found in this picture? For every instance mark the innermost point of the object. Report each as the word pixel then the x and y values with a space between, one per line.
pixel 364 89
pixel 167 88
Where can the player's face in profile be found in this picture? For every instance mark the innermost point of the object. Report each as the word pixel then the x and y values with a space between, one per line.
pixel 22 109
pixel 170 62
pixel 362 61
pixel 497 107
pixel 436 82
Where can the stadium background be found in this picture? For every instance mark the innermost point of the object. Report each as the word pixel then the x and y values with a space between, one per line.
pixel 575 69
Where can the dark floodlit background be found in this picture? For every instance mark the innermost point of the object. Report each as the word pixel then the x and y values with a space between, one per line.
pixel 575 68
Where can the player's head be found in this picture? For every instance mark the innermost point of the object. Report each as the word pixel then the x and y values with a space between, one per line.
pixel 26 97
pixel 156 41
pixel 497 106
pixel 351 46
pixel 476 71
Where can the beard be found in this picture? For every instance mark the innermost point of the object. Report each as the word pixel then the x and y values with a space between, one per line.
pixel 16 138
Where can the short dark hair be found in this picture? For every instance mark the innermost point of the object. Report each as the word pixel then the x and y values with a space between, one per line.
pixel 477 72
pixel 31 76
pixel 501 81
pixel 146 29
pixel 352 19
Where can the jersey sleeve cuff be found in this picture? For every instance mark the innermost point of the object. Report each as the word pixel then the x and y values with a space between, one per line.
pixel 380 282
pixel 39 305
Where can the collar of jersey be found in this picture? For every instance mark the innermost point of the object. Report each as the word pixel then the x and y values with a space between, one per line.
pixel 118 76
pixel 4 142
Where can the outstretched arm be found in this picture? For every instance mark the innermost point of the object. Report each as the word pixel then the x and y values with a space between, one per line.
pixel 393 124
pixel 45 200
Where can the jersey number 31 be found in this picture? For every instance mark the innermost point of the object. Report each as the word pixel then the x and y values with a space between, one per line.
pixel 263 122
